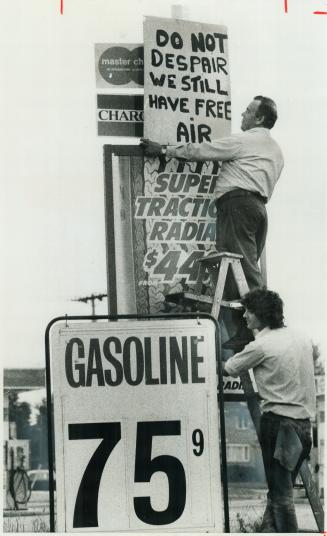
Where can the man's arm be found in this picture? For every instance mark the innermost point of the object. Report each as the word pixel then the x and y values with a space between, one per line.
pixel 152 148
pixel 250 357
pixel 225 373
pixel 223 149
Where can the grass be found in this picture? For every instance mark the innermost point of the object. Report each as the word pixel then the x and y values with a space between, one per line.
pixel 39 525
pixel 13 525
pixel 25 524
pixel 247 526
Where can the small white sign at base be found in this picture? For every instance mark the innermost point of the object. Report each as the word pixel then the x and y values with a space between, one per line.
pixel 136 426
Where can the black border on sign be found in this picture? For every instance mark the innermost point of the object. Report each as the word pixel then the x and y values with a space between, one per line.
pixel 108 151
pixel 220 397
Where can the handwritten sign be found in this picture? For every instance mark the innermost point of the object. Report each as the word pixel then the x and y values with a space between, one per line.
pixel 186 83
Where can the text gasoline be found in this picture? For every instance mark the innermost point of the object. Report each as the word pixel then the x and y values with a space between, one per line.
pixel 135 360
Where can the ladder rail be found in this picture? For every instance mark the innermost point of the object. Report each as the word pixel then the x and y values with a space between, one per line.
pixel 222 274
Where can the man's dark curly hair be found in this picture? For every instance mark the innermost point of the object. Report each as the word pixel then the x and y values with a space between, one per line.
pixel 266 305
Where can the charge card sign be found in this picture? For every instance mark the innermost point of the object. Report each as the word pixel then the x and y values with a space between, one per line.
pixel 136 426
pixel 119 65
pixel 120 115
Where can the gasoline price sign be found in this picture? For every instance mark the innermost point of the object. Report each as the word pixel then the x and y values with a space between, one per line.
pixel 136 425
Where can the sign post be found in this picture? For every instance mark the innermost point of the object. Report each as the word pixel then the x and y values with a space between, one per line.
pixel 136 425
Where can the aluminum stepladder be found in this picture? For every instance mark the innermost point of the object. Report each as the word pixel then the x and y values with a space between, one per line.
pixel 216 265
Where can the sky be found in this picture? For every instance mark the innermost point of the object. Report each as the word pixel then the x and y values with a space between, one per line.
pixel 52 198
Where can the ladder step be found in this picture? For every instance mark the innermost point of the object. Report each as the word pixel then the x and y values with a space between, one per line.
pixel 208 265
pixel 214 257
pixel 184 297
pixel 190 297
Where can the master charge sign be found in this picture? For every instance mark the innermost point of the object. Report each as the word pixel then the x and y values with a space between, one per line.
pixel 136 426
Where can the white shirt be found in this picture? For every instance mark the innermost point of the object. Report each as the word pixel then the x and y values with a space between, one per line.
pixel 283 368
pixel 251 160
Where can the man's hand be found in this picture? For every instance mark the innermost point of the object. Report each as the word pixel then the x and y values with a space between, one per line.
pixel 150 148
pixel 225 373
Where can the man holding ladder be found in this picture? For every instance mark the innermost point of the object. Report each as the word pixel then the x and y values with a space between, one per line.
pixel 282 364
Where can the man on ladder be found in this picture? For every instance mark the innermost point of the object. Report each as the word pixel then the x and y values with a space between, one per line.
pixel 282 364
pixel 252 162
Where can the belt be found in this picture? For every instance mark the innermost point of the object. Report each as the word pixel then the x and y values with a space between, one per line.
pixel 239 192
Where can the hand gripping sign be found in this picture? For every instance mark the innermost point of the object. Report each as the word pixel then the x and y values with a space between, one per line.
pixel 136 425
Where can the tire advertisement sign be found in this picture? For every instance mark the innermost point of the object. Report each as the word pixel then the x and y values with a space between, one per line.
pixel 179 216
pixel 119 65
pixel 136 426
pixel 161 218
pixel 143 271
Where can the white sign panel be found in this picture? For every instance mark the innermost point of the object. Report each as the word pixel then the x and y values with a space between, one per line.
pixel 186 81
pixel 136 426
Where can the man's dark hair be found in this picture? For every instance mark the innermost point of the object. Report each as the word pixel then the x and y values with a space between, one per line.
pixel 268 110
pixel 266 305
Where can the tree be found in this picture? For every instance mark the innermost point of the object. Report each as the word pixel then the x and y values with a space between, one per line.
pixel 39 437
pixel 20 413
pixel 318 364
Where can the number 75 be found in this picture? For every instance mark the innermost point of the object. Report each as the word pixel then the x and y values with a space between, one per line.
pixel 86 505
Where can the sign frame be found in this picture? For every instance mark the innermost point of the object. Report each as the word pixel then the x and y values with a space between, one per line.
pixel 116 263
pixel 115 317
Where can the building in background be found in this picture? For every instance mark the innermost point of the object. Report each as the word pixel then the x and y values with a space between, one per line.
pixel 20 451
pixel 244 458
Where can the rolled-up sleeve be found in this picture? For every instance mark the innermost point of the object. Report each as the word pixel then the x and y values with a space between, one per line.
pixel 250 357
pixel 222 149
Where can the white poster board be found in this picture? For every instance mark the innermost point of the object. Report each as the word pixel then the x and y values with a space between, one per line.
pixel 136 426
pixel 186 81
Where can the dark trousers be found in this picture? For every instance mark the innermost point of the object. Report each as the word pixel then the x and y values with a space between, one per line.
pixel 280 515
pixel 242 228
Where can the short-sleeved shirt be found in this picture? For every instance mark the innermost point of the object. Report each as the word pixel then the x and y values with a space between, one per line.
pixel 282 363
pixel 251 160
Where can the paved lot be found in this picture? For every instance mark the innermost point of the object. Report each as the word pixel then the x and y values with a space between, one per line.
pixel 36 518
pixel 251 511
